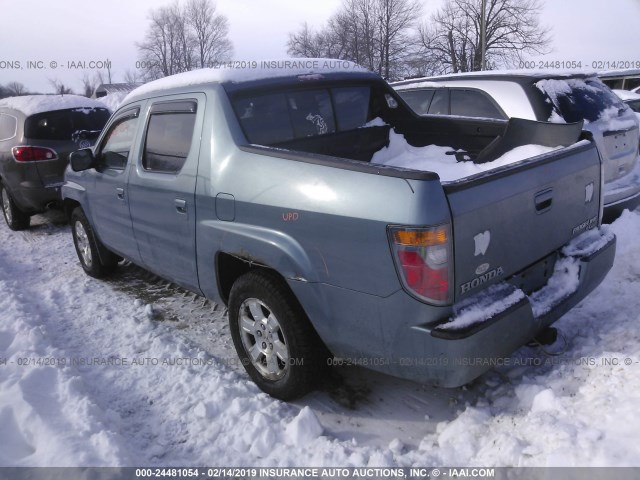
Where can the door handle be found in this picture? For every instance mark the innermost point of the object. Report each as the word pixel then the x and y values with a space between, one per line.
pixel 181 205
pixel 544 200
pixel 120 193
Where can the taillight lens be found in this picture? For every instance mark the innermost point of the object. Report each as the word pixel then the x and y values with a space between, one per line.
pixel 423 257
pixel 33 154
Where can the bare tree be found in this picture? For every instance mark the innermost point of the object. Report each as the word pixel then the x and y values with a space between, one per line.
pixel 131 76
pixel 59 87
pixel 14 89
pixel 181 39
pixel 209 31
pixel 374 33
pixel 451 42
pixel 89 84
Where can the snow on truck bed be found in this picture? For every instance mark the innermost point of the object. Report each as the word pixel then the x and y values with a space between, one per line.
pixel 33 104
pixel 441 160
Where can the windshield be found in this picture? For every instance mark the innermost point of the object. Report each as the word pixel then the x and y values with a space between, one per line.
pixel 70 125
pixel 575 99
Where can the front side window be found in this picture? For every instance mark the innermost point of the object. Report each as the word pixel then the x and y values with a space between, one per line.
pixel 418 100
pixel 440 103
pixel 169 137
pixel 8 126
pixel 118 142
pixel 472 103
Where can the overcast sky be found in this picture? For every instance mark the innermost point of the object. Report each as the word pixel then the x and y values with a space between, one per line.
pixel 65 31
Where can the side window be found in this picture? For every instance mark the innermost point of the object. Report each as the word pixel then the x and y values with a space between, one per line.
pixel 352 106
pixel 472 103
pixel 311 113
pixel 440 103
pixel 117 144
pixel 418 100
pixel 169 136
pixel 8 126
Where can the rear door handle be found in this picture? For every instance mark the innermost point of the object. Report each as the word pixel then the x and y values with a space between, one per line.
pixel 181 205
pixel 543 200
pixel 120 193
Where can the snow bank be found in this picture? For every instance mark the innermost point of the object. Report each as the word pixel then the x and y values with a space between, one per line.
pixel 250 70
pixel 442 160
pixel 32 104
pixel 578 406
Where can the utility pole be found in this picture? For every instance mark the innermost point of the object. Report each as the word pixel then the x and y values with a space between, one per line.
pixel 483 34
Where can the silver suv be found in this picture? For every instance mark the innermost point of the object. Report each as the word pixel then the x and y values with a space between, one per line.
pixel 548 98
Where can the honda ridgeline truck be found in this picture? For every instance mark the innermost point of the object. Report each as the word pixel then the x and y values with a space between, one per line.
pixel 256 188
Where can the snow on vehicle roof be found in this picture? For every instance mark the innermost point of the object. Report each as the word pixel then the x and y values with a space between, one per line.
pixel 627 95
pixel 32 104
pixel 238 72
pixel 113 100
pixel 424 81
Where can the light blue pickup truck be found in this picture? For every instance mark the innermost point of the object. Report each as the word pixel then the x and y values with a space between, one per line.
pixel 261 188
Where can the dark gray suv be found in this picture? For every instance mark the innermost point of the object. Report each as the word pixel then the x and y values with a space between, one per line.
pixel 37 133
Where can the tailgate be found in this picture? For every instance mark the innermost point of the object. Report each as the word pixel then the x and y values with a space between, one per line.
pixel 510 218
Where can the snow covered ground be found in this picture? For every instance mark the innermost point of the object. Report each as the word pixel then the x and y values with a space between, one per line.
pixel 135 371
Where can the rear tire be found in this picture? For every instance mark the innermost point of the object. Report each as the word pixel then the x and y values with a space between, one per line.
pixel 273 337
pixel 94 257
pixel 16 219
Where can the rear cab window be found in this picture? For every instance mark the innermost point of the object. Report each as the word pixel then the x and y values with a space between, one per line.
pixel 273 118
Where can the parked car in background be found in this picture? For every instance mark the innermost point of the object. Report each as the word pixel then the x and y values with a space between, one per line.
pixel 545 97
pixel 37 134
pixel 632 99
pixel 621 79
pixel 312 202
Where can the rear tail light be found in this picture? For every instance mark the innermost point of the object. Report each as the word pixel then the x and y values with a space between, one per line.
pixel 423 258
pixel 33 154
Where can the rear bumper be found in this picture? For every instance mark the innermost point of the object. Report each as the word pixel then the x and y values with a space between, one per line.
pixel 403 337
pixel 35 199
pixel 622 194
pixel 475 350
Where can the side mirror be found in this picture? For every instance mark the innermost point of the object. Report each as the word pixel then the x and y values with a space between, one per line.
pixel 82 160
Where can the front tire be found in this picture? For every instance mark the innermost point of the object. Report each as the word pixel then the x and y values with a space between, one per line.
pixel 94 257
pixel 16 219
pixel 273 337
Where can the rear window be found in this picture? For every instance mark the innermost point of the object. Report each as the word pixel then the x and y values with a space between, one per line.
pixel 70 125
pixel 576 99
pixel 273 118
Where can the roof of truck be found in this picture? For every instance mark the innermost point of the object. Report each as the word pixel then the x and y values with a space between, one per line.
pixel 247 71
